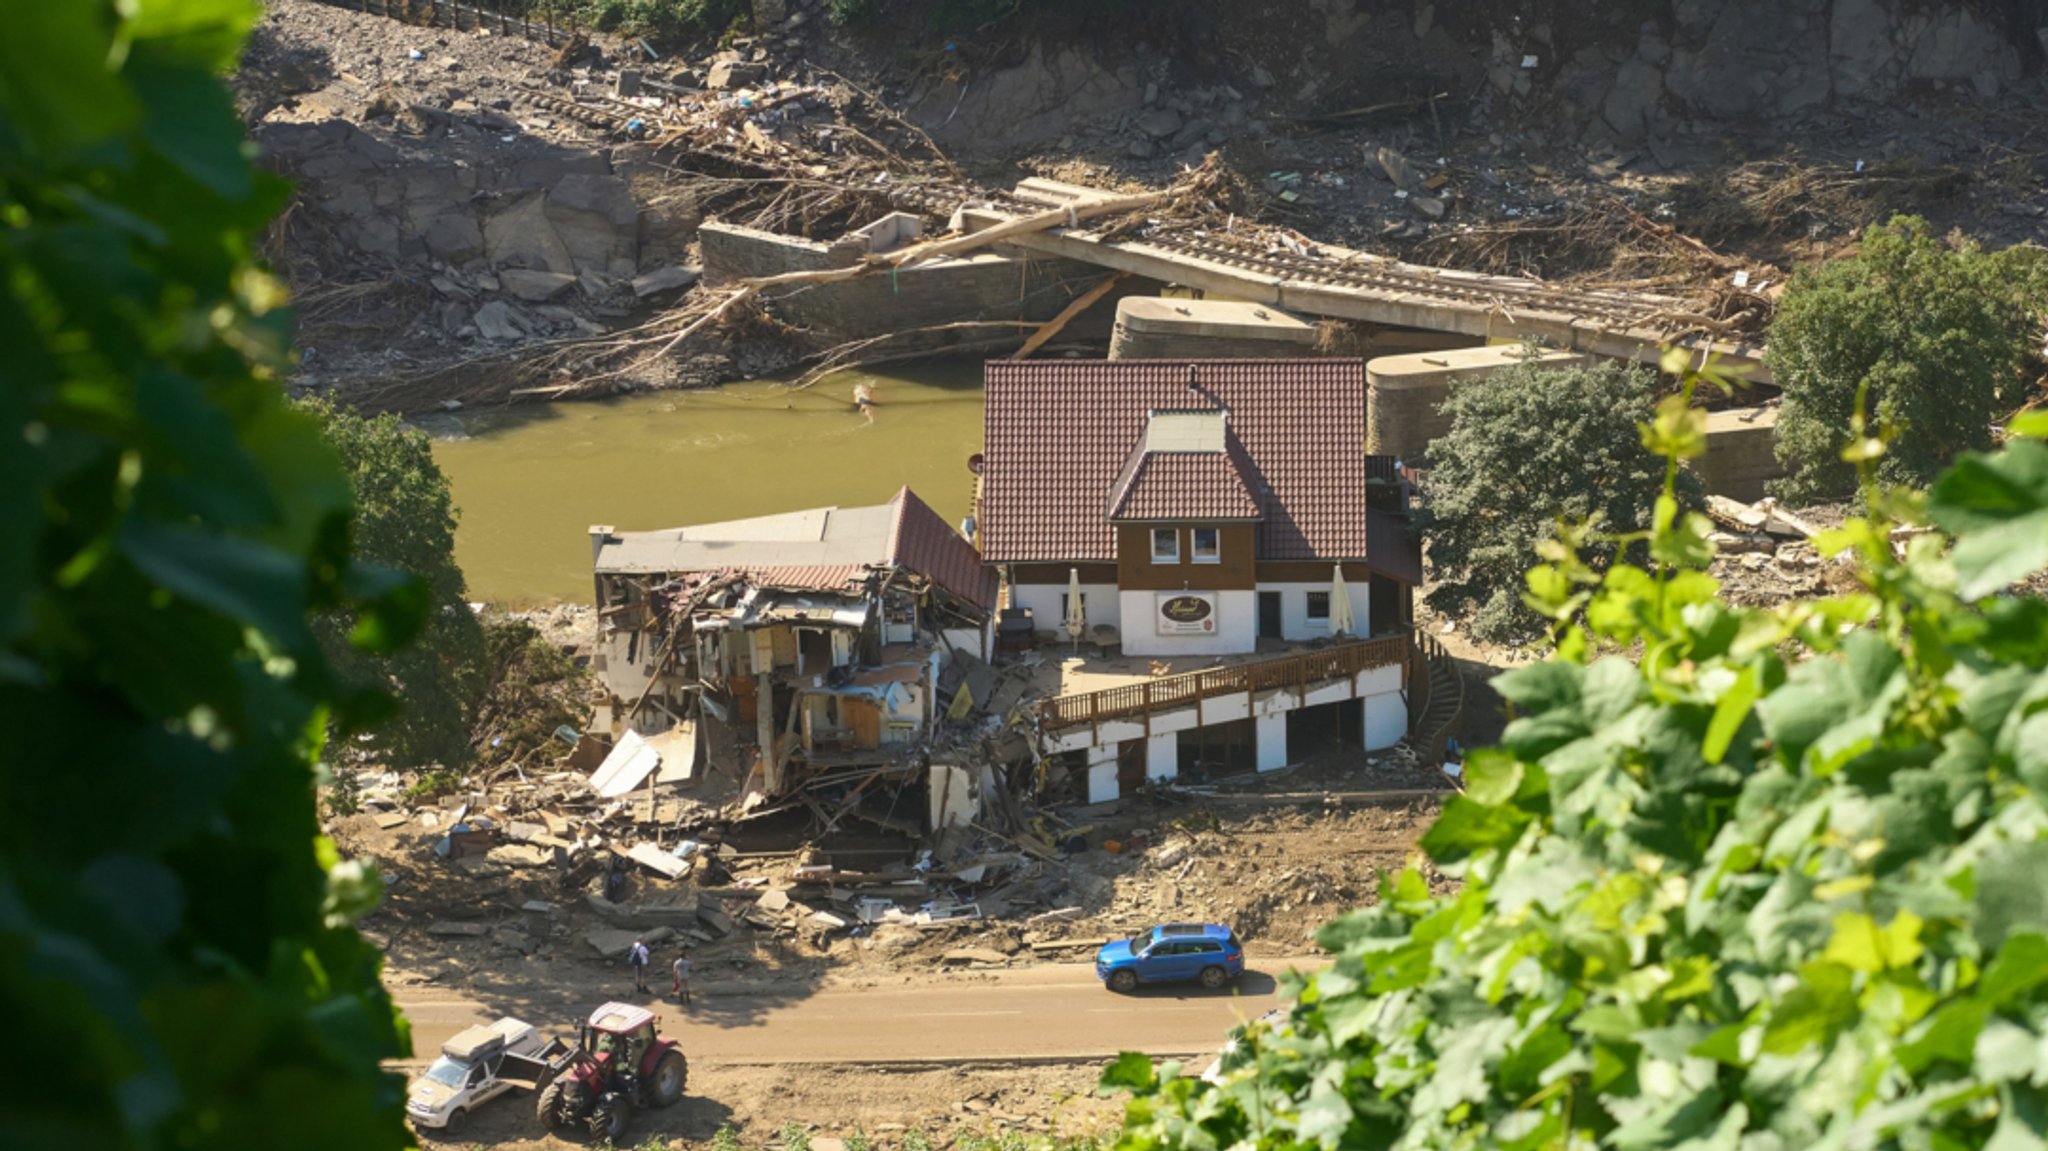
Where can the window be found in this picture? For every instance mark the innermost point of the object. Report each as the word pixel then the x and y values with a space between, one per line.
pixel 1319 605
pixel 1208 548
pixel 1165 545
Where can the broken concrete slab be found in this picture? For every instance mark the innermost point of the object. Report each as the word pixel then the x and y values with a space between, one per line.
pixel 535 287
pixel 667 278
pixel 538 907
pixel 387 820
pixel 613 942
pixel 773 899
pixel 452 929
pixel 522 855
pixel 828 919
pixel 725 75
pixel 642 916
pixel 656 860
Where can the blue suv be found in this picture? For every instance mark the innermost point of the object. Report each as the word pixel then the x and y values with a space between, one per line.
pixel 1176 952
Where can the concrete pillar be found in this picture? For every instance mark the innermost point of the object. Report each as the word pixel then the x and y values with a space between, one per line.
pixel 1386 720
pixel 1102 773
pixel 1162 756
pixel 1272 732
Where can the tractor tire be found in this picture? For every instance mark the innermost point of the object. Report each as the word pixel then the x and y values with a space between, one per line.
pixel 671 1076
pixel 548 1108
pixel 1214 977
pixel 457 1120
pixel 1123 982
pixel 608 1118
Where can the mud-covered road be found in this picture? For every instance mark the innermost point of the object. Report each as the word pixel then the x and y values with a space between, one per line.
pixel 1054 1012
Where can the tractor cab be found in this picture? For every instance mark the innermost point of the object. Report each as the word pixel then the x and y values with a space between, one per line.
pixel 620 1035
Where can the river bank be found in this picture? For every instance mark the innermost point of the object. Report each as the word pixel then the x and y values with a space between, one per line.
pixel 531 479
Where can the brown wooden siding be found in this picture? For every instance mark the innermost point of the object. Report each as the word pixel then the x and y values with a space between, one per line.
pixel 1238 544
pixel 1309 571
pixel 1057 573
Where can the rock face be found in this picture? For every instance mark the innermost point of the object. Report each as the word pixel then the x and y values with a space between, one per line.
pixel 559 211
pixel 1032 102
pixel 1625 75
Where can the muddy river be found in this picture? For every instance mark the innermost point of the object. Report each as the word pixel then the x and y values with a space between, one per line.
pixel 530 480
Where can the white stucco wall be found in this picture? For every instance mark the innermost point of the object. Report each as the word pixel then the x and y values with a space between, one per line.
pixel 1294 621
pixel 1237 626
pixel 1388 717
pixel 1044 602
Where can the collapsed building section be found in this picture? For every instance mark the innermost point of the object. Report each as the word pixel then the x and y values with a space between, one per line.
pixel 813 654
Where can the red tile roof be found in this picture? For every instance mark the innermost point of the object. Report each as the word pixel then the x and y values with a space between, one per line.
pixel 1182 486
pixel 922 542
pixel 1058 433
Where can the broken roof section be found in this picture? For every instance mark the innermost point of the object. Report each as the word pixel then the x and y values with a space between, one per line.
pixel 823 549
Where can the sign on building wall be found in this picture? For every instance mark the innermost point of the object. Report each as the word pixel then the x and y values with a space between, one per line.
pixel 1186 613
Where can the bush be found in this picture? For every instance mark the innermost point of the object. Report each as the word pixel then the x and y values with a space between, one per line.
pixel 405 518
pixel 178 961
pixel 1527 447
pixel 1779 885
pixel 1943 337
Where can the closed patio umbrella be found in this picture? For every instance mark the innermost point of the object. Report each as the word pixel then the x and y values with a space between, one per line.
pixel 1341 622
pixel 1077 616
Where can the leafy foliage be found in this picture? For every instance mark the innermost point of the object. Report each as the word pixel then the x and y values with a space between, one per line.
pixel 666 19
pixel 405 518
pixel 177 962
pixel 1528 447
pixel 1942 338
pixel 1777 885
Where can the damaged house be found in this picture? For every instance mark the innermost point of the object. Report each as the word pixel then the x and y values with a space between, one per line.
pixel 808 651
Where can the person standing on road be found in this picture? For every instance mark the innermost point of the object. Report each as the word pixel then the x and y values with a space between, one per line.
pixel 638 956
pixel 682 968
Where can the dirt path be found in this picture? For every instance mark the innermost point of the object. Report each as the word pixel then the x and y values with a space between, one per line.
pixel 1055 1012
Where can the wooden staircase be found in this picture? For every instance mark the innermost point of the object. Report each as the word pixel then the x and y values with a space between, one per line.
pixel 1435 710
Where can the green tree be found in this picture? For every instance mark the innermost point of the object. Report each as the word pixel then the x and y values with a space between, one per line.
pixel 1779 884
pixel 178 965
pixel 1942 336
pixel 405 518
pixel 1527 447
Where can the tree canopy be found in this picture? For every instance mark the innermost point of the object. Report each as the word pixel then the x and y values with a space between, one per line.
pixel 1776 884
pixel 1937 340
pixel 405 518
pixel 1527 447
pixel 178 965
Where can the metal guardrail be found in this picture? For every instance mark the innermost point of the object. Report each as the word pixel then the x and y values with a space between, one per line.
pixel 1296 671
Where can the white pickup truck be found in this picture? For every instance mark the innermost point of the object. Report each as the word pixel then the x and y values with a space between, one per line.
pixel 475 1067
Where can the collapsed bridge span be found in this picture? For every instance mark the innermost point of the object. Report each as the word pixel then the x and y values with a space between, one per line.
pixel 1321 280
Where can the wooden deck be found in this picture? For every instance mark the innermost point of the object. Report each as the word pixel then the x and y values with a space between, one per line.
pixel 1298 671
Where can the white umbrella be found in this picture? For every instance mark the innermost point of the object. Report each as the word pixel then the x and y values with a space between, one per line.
pixel 1340 603
pixel 1077 616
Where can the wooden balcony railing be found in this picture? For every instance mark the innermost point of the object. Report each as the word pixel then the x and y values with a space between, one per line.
pixel 1298 671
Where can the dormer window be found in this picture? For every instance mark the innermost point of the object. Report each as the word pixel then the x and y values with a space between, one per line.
pixel 1165 546
pixel 1207 546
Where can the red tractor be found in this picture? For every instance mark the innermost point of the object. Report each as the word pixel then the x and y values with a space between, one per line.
pixel 618 1063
